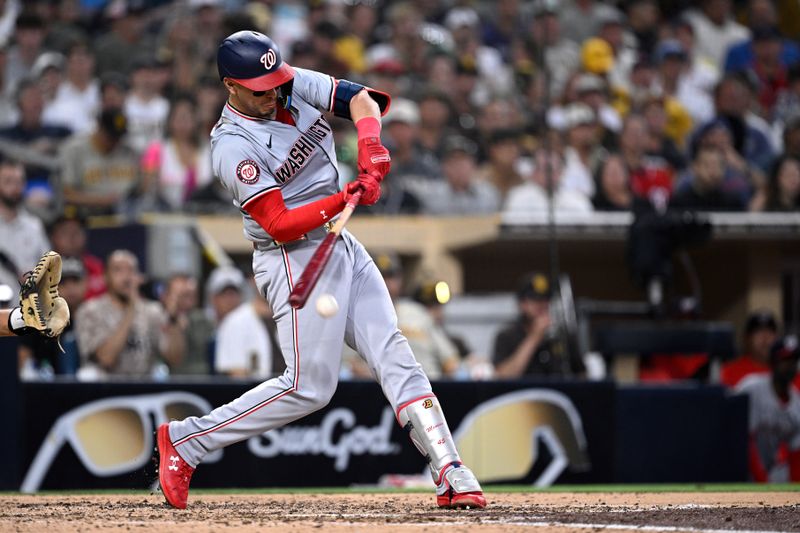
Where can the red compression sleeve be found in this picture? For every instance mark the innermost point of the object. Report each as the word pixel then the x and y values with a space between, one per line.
pixel 368 127
pixel 284 224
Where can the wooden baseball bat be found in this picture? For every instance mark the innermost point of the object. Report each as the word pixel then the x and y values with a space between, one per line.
pixel 310 276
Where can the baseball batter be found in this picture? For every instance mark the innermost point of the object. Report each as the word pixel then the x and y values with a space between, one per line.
pixel 273 150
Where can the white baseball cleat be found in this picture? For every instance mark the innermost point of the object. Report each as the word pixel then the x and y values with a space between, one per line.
pixel 458 488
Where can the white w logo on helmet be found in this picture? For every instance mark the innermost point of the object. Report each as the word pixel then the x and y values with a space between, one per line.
pixel 268 59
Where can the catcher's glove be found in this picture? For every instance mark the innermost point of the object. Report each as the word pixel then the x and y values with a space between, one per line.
pixel 43 310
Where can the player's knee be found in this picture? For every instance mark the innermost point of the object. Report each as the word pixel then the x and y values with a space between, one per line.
pixel 317 399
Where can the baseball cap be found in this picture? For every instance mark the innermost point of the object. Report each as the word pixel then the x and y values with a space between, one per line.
pixel 587 83
pixel 114 122
pixel 610 15
pixel 533 286
pixel 785 348
pixel 224 277
pixel 545 7
pixel 669 48
pixel 72 268
pixel 433 293
pixel 458 17
pixel 402 110
pixel 762 319
pixel 388 264
pixel 766 33
pixel 597 56
pixel 47 61
pixel 578 114
pixel 457 143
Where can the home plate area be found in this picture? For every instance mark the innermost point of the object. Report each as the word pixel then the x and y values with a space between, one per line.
pixel 734 511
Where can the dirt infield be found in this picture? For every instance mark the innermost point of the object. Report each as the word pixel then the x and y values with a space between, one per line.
pixel 776 511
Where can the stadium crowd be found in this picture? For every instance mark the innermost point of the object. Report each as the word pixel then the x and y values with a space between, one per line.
pixel 106 106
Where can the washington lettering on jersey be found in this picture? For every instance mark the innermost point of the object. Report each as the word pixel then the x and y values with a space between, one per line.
pixel 302 149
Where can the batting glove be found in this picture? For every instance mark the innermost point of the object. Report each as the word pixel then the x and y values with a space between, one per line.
pixel 370 187
pixel 373 158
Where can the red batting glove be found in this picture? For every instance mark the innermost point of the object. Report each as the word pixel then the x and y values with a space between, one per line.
pixel 370 187
pixel 373 158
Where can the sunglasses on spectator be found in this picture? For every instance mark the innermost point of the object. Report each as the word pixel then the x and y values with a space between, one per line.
pixel 114 435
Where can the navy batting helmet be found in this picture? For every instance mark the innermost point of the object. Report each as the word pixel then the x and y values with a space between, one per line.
pixel 251 59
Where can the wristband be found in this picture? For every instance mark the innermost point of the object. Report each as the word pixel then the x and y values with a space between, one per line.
pixel 368 127
pixel 15 321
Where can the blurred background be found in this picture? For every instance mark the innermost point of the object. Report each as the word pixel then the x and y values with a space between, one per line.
pixel 591 231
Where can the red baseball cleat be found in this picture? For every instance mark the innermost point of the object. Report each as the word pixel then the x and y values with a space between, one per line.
pixel 459 489
pixel 174 473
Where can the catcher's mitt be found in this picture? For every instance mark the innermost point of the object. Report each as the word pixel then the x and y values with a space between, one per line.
pixel 43 310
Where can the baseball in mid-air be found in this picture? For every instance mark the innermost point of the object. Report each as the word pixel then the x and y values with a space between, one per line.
pixel 327 306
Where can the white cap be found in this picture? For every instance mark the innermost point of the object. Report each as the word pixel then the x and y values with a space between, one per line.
pixel 459 17
pixel 578 114
pixel 402 110
pixel 222 278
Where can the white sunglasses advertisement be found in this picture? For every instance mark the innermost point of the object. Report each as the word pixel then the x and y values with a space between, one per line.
pixel 114 435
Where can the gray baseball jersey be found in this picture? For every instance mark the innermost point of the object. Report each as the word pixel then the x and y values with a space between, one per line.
pixel 252 157
pixel 772 422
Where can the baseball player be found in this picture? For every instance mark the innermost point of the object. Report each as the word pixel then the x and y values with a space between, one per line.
pixel 273 151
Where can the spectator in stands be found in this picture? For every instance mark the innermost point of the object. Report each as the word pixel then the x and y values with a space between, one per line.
pixel 432 349
pixel 763 16
pixel 436 121
pixel 22 237
pixel 702 73
pixel 644 17
pixel 118 49
pixel 145 109
pixel 613 186
pixel 224 289
pixel 581 19
pixel 180 301
pixel 461 192
pixel 77 98
pixel 409 159
pixel 100 170
pixel 68 237
pixel 29 35
pixel 705 191
pixel 651 176
pixel 624 53
pixel 122 333
pixel 247 343
pixel 464 26
pixel 663 139
pixel 767 70
pixel 113 91
pixel 783 187
pixel 31 133
pixel 715 29
pixel 434 295
pixel 180 164
pixel 774 416
pixel 505 167
pixel 592 90
pixel 583 152
pixel 676 82
pixel 66 28
pixel 741 177
pixel 760 333
pixel 527 347
pixel 733 103
pixel 532 196
pixel 42 356
pixel 48 72
pixel 561 55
